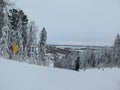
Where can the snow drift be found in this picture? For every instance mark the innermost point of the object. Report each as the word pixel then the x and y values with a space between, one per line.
pixel 21 76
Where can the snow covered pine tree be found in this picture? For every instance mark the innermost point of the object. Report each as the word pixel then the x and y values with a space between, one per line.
pixel 117 50
pixel 31 45
pixel 42 48
pixel 1 16
pixel 18 21
pixel 5 31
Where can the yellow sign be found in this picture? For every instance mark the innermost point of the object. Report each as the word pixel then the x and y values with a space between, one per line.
pixel 14 48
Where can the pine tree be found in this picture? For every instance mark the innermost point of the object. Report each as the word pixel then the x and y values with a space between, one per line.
pixel 5 39
pixel 2 5
pixel 24 27
pixel 117 50
pixel 92 59
pixel 31 37
pixel 42 48
pixel 16 31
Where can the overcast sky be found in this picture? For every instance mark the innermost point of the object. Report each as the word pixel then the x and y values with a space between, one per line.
pixel 88 22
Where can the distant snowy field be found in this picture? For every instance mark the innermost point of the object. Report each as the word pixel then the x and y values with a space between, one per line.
pixel 20 76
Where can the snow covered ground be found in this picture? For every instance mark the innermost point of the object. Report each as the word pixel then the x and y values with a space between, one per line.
pixel 21 76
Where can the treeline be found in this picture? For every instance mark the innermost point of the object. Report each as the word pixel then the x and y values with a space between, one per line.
pixel 18 36
pixel 108 56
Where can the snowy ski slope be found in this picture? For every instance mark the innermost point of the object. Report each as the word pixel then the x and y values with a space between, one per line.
pixel 20 76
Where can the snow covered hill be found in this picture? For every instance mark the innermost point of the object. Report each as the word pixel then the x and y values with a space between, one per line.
pixel 21 76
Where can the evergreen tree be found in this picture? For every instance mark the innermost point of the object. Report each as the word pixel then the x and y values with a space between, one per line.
pixel 16 31
pixel 42 48
pixel 5 39
pixel 31 37
pixel 2 5
pixel 93 61
pixel 18 34
pixel 24 22
pixel 117 50
pixel 24 27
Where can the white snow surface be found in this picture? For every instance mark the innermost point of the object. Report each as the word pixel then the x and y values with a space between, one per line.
pixel 20 76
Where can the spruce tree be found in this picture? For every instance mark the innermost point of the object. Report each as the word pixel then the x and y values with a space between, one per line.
pixel 18 21
pixel 31 36
pixel 6 29
pixel 2 5
pixel 42 48
pixel 117 50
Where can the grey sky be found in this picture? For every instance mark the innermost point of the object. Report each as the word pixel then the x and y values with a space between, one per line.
pixel 88 22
